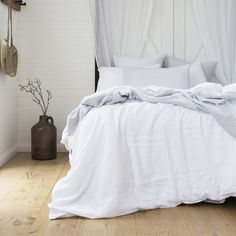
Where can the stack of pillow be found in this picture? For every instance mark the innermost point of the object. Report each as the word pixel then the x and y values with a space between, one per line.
pixel 158 71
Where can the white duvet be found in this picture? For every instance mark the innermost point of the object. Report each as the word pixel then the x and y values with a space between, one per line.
pixel 132 156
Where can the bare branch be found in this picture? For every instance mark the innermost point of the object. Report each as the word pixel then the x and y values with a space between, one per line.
pixel 39 91
pixel 48 99
pixel 34 88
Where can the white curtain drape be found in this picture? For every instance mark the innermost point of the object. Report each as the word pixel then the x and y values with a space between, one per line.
pixel 216 21
pixel 120 27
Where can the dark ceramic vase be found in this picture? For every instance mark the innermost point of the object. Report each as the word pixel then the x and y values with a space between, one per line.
pixel 44 139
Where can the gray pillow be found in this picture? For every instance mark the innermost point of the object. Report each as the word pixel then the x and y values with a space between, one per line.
pixel 173 62
pixel 209 68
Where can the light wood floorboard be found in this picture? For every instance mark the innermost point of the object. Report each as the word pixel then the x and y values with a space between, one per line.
pixel 25 191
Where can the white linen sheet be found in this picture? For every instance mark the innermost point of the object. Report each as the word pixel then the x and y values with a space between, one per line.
pixel 137 155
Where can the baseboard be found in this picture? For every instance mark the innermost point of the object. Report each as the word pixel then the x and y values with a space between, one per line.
pixel 7 155
pixel 27 147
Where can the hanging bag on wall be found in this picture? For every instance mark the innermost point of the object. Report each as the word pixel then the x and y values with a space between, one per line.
pixel 9 55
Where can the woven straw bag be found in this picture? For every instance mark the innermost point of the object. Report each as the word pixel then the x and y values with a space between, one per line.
pixel 8 52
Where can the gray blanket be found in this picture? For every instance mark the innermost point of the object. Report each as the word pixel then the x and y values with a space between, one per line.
pixel 207 97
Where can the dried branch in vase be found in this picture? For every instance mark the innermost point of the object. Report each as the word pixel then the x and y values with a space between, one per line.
pixel 35 89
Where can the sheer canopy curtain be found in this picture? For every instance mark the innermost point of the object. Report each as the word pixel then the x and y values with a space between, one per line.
pixel 217 25
pixel 120 27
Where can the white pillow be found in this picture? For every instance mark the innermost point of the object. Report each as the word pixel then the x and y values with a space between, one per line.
pixel 177 77
pixel 231 88
pixel 110 77
pixel 145 67
pixel 172 78
pixel 137 61
pixel 196 75
pixel 181 77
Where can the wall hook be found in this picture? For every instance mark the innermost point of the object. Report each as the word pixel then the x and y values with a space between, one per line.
pixel 20 2
pixel 15 4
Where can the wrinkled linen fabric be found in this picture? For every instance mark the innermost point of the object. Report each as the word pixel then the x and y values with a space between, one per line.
pixel 207 97
pixel 134 149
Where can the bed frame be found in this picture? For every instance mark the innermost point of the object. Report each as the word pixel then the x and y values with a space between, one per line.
pixel 96 75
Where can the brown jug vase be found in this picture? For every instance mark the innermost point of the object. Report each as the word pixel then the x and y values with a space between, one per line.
pixel 44 139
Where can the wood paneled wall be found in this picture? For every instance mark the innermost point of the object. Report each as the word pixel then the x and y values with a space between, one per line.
pixel 174 31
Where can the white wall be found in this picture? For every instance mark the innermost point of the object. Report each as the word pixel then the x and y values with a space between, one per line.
pixel 8 100
pixel 55 46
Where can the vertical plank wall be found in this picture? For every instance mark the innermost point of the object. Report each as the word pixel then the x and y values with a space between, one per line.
pixel 173 31
pixel 55 46
pixel 8 98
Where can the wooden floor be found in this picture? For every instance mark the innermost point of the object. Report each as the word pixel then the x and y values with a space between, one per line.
pixel 25 190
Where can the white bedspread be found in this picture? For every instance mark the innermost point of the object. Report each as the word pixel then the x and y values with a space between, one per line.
pixel 139 155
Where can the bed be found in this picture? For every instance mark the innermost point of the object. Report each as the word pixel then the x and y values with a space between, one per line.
pixel 134 147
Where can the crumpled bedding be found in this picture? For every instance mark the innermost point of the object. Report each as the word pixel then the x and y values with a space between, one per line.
pixel 134 149
pixel 207 97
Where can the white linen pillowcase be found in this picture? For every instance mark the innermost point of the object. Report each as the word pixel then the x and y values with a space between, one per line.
pixel 146 67
pixel 172 78
pixel 182 77
pixel 177 77
pixel 110 77
pixel 113 76
pixel 196 74
pixel 120 61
